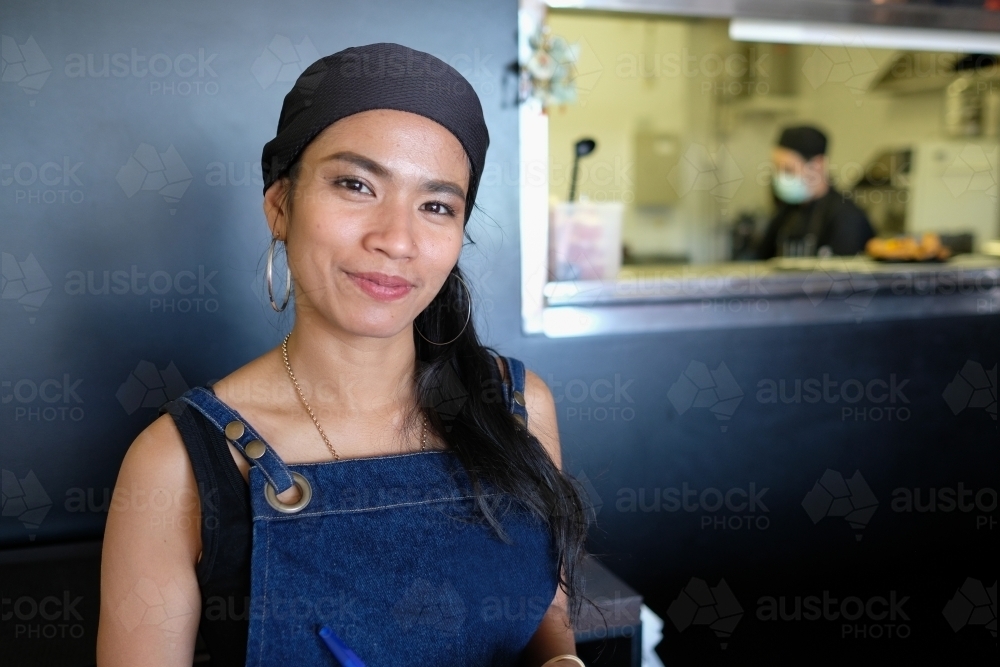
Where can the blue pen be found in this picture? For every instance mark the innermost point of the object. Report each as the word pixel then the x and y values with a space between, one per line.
pixel 345 656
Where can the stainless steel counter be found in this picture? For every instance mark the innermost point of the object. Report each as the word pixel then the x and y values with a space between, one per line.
pixel 647 298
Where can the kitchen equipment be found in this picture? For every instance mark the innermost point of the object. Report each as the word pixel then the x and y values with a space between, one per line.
pixel 582 148
pixel 586 240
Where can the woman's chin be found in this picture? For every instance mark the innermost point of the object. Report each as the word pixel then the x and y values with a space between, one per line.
pixel 378 322
pixel 376 328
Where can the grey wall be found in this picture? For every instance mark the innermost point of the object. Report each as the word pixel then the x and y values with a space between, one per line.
pixel 85 360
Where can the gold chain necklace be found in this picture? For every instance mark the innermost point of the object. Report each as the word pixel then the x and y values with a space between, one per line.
pixel 312 415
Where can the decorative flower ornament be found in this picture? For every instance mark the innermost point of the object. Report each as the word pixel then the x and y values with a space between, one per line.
pixel 547 73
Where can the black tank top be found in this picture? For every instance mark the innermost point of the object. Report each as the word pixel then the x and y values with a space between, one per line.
pixel 226 531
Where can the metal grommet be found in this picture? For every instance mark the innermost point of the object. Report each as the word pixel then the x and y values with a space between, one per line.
pixel 305 488
pixel 235 430
pixel 519 398
pixel 255 449
pixel 520 420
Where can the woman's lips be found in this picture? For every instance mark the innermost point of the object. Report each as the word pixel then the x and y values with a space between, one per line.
pixel 380 286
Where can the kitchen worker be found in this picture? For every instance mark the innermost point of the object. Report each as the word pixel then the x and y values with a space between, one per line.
pixel 813 218
pixel 404 479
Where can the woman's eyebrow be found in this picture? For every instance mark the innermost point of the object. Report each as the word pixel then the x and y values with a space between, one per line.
pixel 443 187
pixel 361 161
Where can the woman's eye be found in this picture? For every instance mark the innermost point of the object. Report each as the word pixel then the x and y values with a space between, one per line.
pixel 441 208
pixel 354 184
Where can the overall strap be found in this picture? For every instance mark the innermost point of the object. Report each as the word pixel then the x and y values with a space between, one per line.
pixel 239 432
pixel 513 389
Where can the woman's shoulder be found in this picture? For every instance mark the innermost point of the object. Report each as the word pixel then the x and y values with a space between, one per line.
pixel 533 383
pixel 164 449
pixel 156 486
pixel 158 443
pixel 541 408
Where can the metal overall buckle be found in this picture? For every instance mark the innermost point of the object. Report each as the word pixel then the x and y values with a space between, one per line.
pixel 305 489
pixel 255 449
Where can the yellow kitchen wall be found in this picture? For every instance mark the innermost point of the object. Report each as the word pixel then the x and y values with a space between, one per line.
pixel 618 95
pixel 664 74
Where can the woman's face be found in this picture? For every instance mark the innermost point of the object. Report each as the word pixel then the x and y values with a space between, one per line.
pixel 376 220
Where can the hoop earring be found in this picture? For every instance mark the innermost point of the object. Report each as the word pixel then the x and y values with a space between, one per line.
pixel 467 317
pixel 268 277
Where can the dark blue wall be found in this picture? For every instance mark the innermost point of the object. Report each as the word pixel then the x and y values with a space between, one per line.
pixel 639 471
pixel 83 367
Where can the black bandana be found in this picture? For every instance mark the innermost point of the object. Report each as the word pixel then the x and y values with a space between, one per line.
pixel 377 76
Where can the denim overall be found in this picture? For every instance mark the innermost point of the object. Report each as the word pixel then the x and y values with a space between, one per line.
pixel 389 553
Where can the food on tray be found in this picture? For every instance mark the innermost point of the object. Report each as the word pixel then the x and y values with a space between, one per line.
pixel 926 247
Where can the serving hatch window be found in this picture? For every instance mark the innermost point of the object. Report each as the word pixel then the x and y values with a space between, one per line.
pixel 670 124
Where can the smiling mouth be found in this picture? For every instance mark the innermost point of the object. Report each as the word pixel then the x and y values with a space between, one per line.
pixel 383 279
pixel 380 286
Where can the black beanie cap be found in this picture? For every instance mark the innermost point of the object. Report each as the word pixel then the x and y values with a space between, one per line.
pixel 805 140
pixel 377 76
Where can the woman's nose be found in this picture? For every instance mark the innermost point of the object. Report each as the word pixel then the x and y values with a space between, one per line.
pixel 393 228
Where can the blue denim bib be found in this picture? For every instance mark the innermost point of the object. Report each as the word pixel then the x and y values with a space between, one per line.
pixel 390 553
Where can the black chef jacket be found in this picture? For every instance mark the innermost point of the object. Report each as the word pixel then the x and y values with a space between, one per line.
pixel 802 229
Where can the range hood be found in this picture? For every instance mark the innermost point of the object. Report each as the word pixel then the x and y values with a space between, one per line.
pixel 921 71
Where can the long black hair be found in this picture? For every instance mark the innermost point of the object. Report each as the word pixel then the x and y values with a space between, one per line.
pixel 458 389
